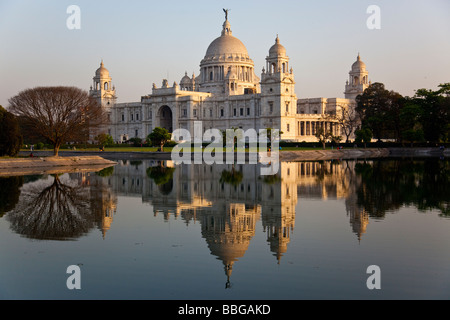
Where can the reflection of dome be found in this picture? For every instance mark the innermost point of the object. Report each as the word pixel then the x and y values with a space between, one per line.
pixel 358 65
pixel 277 49
pixel 228 231
pixel 102 72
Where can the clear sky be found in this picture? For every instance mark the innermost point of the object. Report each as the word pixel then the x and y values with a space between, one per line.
pixel 142 42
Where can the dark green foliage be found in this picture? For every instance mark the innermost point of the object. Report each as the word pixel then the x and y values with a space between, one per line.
pixel 159 137
pixel 387 185
pixel 10 137
pixel 9 193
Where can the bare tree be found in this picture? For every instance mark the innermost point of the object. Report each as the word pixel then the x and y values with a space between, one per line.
pixel 325 134
pixel 53 210
pixel 59 114
pixel 348 121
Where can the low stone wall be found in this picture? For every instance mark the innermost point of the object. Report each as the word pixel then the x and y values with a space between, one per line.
pixel 50 165
pixel 110 155
pixel 419 152
pixel 321 154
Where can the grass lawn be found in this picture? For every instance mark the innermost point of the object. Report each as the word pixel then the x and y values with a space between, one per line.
pixel 167 149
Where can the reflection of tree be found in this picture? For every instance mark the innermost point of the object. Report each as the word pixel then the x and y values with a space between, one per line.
pixel 106 172
pixel 9 193
pixel 163 177
pixel 57 211
pixel 387 185
pixel 232 177
pixel 271 179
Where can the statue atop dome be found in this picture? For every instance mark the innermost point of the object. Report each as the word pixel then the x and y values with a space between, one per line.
pixel 226 13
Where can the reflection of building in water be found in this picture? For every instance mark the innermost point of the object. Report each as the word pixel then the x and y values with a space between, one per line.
pixel 279 197
pixel 333 180
pixel 228 229
pixel 228 200
pixel 103 199
pixel 359 218
pixel 324 179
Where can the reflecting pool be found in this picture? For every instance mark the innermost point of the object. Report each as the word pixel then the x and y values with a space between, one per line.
pixel 154 230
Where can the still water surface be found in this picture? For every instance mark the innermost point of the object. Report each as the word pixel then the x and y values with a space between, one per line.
pixel 148 230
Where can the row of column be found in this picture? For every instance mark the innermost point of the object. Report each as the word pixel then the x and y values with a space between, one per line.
pixel 309 128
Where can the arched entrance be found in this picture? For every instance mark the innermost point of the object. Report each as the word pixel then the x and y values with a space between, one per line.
pixel 165 118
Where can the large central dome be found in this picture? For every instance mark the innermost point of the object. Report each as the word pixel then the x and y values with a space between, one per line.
pixel 227 68
pixel 226 44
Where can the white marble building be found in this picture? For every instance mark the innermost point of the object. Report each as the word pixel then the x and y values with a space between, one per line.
pixel 226 94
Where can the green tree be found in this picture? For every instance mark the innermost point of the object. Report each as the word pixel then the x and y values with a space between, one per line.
pixel 379 110
pixel 159 137
pixel 104 140
pixel 363 135
pixel 10 136
pixel 434 112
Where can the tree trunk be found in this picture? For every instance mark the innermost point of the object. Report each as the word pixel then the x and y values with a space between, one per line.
pixel 162 147
pixel 56 150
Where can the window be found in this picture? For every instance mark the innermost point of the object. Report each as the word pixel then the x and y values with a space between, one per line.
pixel 241 111
pixel 184 112
pixel 210 113
pixel 150 115
pixel 195 112
pixel 221 113
pixel 270 107
pixel 234 112
pixel 137 116
pixel 123 117
pixel 132 117
pixel 135 133
pixel 248 111
pixel 287 127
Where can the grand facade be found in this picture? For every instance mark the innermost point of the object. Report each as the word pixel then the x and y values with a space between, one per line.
pixel 226 94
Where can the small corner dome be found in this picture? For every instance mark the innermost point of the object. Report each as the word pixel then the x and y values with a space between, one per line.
pixel 102 71
pixel 185 79
pixel 277 49
pixel 358 64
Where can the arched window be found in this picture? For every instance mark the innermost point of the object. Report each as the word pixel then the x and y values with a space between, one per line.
pixel 355 80
pixel 284 67
pixel 106 86
pixel 211 76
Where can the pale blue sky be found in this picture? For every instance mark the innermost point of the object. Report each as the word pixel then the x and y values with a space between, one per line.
pixel 142 42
